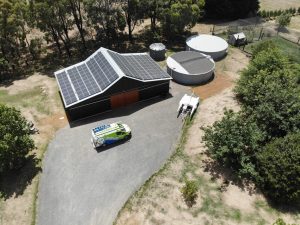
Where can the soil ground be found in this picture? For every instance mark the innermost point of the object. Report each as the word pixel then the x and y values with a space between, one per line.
pixel 219 202
pixel 38 100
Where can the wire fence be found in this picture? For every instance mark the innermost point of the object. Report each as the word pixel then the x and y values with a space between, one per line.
pixel 256 31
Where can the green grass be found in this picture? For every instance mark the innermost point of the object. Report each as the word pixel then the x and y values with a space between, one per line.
pixel 34 98
pixel 288 48
pixel 34 201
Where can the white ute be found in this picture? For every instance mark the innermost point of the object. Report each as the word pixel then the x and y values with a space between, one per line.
pixel 187 106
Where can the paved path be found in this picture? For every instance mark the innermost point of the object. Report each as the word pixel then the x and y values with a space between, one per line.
pixel 81 186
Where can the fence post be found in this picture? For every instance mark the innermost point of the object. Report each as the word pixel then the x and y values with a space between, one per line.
pixel 213 30
pixel 260 34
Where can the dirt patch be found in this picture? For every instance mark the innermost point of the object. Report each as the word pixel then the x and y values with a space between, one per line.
pixel 227 71
pixel 219 83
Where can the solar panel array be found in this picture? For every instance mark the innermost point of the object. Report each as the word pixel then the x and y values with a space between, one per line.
pixel 94 75
pixel 86 79
pixel 139 66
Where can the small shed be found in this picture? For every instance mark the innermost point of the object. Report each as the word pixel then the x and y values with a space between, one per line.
pixel 237 39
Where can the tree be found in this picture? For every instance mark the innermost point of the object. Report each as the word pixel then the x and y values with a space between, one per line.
pixel 76 9
pixel 279 169
pixel 134 13
pixel 230 9
pixel 233 142
pixel 179 15
pixel 269 92
pixel 15 140
pixel 283 20
pixel 106 17
pixel 54 18
pixel 152 9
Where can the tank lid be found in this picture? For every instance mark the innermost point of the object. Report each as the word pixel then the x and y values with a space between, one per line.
pixel 157 46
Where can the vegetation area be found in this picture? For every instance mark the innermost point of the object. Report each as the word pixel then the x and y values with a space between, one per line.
pixel 68 29
pixel 285 47
pixel 250 141
pixel 15 139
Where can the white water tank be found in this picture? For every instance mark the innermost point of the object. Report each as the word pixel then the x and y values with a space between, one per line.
pixel 207 44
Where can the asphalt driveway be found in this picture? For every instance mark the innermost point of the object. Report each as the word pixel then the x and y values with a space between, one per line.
pixel 82 186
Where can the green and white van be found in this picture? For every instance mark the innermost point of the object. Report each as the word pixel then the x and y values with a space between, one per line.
pixel 110 134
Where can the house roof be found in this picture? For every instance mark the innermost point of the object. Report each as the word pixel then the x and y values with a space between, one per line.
pixel 103 69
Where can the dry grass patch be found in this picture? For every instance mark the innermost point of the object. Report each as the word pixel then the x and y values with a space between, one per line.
pixel 38 100
pixel 279 4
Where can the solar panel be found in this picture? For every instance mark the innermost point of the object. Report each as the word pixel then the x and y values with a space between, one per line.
pixel 66 88
pixel 98 74
pixel 107 69
pixel 78 83
pixel 122 63
pixel 139 66
pixel 88 79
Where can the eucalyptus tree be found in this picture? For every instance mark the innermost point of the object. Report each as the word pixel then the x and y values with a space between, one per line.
pixel 134 13
pixel 179 15
pixel 54 19
pixel 77 13
pixel 106 18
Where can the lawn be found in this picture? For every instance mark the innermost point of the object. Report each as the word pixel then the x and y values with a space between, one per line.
pixel 290 49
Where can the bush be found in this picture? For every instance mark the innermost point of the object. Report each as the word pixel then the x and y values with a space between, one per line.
pixel 269 92
pixel 279 169
pixel 15 140
pixel 263 14
pixel 233 142
pixel 280 221
pixel 189 192
pixel 263 46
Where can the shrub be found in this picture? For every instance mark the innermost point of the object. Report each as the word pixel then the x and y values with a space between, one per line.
pixel 263 14
pixel 279 169
pixel 189 192
pixel 280 221
pixel 15 140
pixel 233 142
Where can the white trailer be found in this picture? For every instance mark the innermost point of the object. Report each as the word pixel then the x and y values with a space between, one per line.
pixel 187 106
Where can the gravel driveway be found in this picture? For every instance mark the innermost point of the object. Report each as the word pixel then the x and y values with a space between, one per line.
pixel 82 186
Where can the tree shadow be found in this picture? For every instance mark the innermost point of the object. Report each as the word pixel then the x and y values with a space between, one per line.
pixel 14 182
pixel 284 208
pixel 227 175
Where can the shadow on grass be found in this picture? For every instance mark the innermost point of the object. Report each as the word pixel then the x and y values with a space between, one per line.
pixel 14 182
pixel 218 171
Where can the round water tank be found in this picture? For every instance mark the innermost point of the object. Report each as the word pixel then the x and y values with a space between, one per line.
pixel 157 51
pixel 190 67
pixel 211 45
